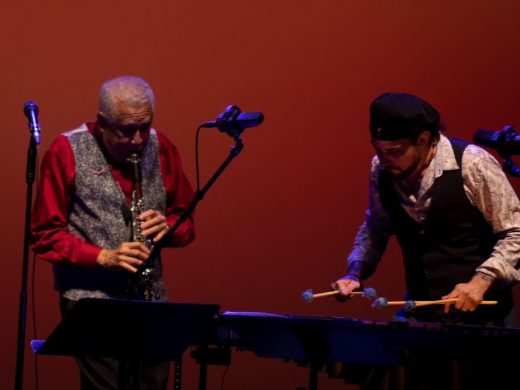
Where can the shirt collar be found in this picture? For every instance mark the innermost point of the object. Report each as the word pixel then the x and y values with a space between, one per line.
pixel 444 159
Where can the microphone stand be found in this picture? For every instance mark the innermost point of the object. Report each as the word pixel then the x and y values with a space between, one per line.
pixel 32 153
pixel 199 195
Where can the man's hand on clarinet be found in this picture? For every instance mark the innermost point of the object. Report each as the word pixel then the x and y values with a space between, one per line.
pixel 129 256
pixel 153 225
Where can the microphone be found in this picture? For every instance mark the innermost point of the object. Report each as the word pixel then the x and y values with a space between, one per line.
pixel 505 141
pixel 30 109
pixel 233 121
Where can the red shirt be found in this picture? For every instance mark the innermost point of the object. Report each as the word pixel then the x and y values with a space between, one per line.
pixel 52 240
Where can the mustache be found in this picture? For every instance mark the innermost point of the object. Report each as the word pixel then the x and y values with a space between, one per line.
pixel 388 167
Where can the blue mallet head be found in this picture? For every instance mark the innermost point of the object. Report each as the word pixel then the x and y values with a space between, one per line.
pixel 307 296
pixel 409 306
pixel 380 303
pixel 370 293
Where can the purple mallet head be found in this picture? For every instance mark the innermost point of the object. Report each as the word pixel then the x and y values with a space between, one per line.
pixel 380 303
pixel 307 296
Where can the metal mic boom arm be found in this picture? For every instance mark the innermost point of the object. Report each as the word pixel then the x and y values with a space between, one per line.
pixel 199 195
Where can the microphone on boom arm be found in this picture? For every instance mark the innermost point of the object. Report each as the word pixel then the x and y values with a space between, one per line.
pixel 506 142
pixel 233 121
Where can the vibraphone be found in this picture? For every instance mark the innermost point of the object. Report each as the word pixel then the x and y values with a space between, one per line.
pixel 157 330
pixel 319 341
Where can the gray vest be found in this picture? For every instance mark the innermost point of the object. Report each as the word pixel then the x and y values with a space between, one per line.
pixel 99 214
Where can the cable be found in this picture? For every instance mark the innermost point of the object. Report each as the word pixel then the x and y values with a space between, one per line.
pixel 197 157
pixel 223 377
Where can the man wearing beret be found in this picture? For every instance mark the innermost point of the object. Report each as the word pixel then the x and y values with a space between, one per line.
pixel 452 209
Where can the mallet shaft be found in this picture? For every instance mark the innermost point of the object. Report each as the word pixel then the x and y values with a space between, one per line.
pixel 325 294
pixel 334 292
pixel 436 302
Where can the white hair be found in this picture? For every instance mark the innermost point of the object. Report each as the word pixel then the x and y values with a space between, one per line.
pixel 132 90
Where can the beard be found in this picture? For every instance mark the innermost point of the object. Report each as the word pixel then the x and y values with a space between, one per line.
pixel 399 173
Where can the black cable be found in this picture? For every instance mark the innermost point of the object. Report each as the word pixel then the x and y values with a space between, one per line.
pixel 223 377
pixel 197 157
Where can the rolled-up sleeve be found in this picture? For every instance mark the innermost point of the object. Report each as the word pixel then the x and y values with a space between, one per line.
pixel 489 190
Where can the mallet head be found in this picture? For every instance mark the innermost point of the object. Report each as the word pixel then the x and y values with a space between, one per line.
pixel 380 303
pixel 370 293
pixel 409 306
pixel 307 296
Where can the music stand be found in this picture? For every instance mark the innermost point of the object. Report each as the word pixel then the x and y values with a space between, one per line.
pixel 129 330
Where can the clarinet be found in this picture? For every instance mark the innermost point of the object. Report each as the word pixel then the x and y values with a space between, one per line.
pixel 141 285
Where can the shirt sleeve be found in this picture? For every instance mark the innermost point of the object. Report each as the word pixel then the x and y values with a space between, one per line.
pixel 179 193
pixel 489 190
pixel 51 239
pixel 373 235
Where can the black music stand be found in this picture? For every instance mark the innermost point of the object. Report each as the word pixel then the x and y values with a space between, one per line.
pixel 138 330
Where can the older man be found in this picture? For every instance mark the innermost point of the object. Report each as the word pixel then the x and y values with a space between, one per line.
pixel 83 219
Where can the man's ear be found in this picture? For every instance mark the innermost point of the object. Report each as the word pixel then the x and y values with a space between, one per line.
pixel 102 122
pixel 424 138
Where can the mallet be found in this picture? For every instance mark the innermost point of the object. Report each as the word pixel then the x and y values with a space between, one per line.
pixel 308 296
pixel 382 302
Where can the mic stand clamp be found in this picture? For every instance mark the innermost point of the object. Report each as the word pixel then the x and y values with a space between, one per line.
pixel 506 137
pixel 510 167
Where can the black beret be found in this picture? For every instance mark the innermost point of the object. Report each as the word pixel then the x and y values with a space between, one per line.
pixel 396 115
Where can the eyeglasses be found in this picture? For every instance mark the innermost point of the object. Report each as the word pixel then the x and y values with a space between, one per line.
pixel 130 129
pixel 126 130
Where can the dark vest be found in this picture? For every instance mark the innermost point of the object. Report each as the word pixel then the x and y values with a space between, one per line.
pixel 446 248
pixel 100 214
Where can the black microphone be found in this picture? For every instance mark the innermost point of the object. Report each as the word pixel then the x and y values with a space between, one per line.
pixel 233 121
pixel 505 141
pixel 30 109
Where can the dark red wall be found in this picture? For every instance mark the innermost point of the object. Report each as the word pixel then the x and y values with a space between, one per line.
pixel 282 217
